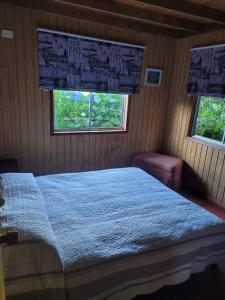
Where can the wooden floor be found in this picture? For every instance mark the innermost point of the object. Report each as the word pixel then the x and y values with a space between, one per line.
pixel 208 205
pixel 208 285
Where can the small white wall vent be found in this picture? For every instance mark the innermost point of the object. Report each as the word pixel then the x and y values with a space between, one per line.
pixel 7 34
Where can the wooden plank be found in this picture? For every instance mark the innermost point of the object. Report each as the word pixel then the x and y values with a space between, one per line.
pixel 136 13
pixel 115 149
pixel 188 8
pixel 83 14
pixel 193 154
pixel 188 152
pixel 221 188
pixel 172 99
pixel 206 168
pixel 18 15
pixel 130 131
pixel 29 72
pixel 185 102
pixel 178 118
pixel 37 96
pixel 197 157
pixel 202 161
pixel 165 89
pixel 80 152
pixel 223 201
pixel 12 91
pixel 5 92
pixel 217 176
pixel 2 135
pixel 212 170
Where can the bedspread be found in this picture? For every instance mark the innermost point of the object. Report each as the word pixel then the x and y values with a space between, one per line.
pixel 113 233
pixel 34 264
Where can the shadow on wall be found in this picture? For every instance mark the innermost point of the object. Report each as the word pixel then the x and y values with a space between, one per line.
pixel 192 181
pixel 9 165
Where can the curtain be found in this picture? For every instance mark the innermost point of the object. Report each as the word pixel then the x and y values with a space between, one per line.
pixel 70 62
pixel 207 71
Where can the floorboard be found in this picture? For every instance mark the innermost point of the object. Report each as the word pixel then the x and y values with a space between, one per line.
pixel 208 205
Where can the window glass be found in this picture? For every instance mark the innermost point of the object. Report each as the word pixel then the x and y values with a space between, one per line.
pixel 107 111
pixel 210 118
pixel 84 111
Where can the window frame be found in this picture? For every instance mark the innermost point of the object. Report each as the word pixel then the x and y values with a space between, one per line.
pixel 192 129
pixel 54 132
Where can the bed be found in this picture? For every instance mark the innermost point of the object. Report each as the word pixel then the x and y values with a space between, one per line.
pixel 110 234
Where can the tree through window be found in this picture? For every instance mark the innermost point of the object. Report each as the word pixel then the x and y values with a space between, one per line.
pixel 75 111
pixel 210 119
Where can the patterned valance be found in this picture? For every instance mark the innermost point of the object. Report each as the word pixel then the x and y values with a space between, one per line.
pixel 71 62
pixel 207 71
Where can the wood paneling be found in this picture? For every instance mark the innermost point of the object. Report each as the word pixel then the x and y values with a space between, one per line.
pixel 25 109
pixel 205 169
pixel 217 4
pixel 125 10
pixel 191 9
pixel 61 8
pixel 173 18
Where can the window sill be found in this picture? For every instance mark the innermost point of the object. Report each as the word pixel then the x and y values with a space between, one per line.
pixel 207 142
pixel 113 131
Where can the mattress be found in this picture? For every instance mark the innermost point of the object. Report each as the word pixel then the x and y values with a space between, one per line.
pixel 110 234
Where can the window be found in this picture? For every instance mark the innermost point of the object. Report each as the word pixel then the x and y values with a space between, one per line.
pixel 77 112
pixel 209 122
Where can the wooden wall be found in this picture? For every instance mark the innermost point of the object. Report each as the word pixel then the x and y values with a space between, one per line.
pixel 205 169
pixel 25 109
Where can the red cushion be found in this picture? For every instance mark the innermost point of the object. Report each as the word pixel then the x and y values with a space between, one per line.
pixel 167 169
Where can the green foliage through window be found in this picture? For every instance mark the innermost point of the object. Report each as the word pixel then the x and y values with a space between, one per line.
pixel 74 110
pixel 210 118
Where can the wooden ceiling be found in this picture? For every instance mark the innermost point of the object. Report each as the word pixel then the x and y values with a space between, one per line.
pixel 174 18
